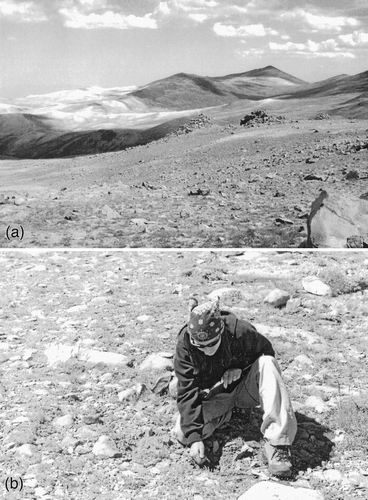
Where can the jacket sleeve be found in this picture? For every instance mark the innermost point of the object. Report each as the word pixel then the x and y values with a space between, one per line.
pixel 188 399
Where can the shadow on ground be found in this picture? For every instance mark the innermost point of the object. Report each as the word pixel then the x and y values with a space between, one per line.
pixel 226 451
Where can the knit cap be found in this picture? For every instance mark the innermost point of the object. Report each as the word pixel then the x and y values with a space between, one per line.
pixel 205 321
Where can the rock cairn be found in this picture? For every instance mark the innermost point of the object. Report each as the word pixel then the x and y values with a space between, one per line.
pixel 200 121
pixel 259 117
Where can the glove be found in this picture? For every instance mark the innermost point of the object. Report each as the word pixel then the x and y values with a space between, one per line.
pixel 197 452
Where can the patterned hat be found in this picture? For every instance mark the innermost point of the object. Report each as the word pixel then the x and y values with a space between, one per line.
pixel 205 321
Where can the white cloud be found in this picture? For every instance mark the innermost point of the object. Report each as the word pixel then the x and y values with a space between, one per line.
pixel 327 48
pixel 251 52
pixel 23 11
pixel 164 8
pixel 319 22
pixel 329 23
pixel 249 30
pixel 356 39
pixel 193 5
pixel 200 18
pixel 75 19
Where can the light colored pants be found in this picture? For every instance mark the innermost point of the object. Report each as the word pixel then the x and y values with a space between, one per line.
pixel 262 386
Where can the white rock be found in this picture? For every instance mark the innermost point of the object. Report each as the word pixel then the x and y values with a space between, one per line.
pixel 315 286
pixel 26 450
pixel 78 308
pixel 277 298
pixel 156 362
pixel 28 353
pixel 267 490
pixel 333 475
pixel 31 483
pixel 302 359
pixel 94 356
pixel 143 318
pixel 64 421
pixel 127 393
pixel 39 267
pixel 317 403
pixel 40 491
pixel 4 346
pixel 105 447
pixel 59 353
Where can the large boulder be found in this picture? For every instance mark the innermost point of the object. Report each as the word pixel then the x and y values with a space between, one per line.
pixel 338 220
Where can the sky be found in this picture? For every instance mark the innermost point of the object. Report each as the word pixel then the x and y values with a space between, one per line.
pixel 51 45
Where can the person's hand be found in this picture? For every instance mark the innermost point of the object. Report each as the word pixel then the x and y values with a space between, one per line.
pixel 231 375
pixel 197 452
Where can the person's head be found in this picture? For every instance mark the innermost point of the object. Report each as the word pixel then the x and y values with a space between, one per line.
pixel 205 326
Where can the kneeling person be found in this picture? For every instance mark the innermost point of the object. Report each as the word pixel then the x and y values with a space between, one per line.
pixel 222 362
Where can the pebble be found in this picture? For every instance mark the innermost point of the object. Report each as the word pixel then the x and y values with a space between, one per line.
pixel 105 448
pixel 64 421
pixel 277 298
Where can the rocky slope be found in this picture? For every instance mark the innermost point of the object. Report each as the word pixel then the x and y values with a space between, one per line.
pixel 212 183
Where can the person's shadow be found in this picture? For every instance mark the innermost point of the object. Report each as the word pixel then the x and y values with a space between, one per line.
pixel 312 444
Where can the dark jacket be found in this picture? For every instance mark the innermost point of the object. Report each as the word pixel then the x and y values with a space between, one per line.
pixel 240 346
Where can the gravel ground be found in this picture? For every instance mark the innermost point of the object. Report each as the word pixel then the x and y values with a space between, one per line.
pixel 86 347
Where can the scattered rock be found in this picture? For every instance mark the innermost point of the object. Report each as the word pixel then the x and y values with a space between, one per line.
pixel 336 217
pixel 156 362
pixel 352 175
pixel 59 353
pixel 26 451
pixel 283 220
pixel 267 490
pixel 317 403
pixel 92 418
pixel 126 394
pixel 199 192
pixel 106 448
pixel 277 298
pixel 314 285
pixel 110 358
pixel 110 213
pixel 64 421
pixel 143 318
pixel 312 177
pixel 302 359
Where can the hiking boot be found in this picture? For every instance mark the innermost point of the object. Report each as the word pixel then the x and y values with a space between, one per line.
pixel 277 458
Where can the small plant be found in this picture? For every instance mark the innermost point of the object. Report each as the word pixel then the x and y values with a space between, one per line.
pixel 351 416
